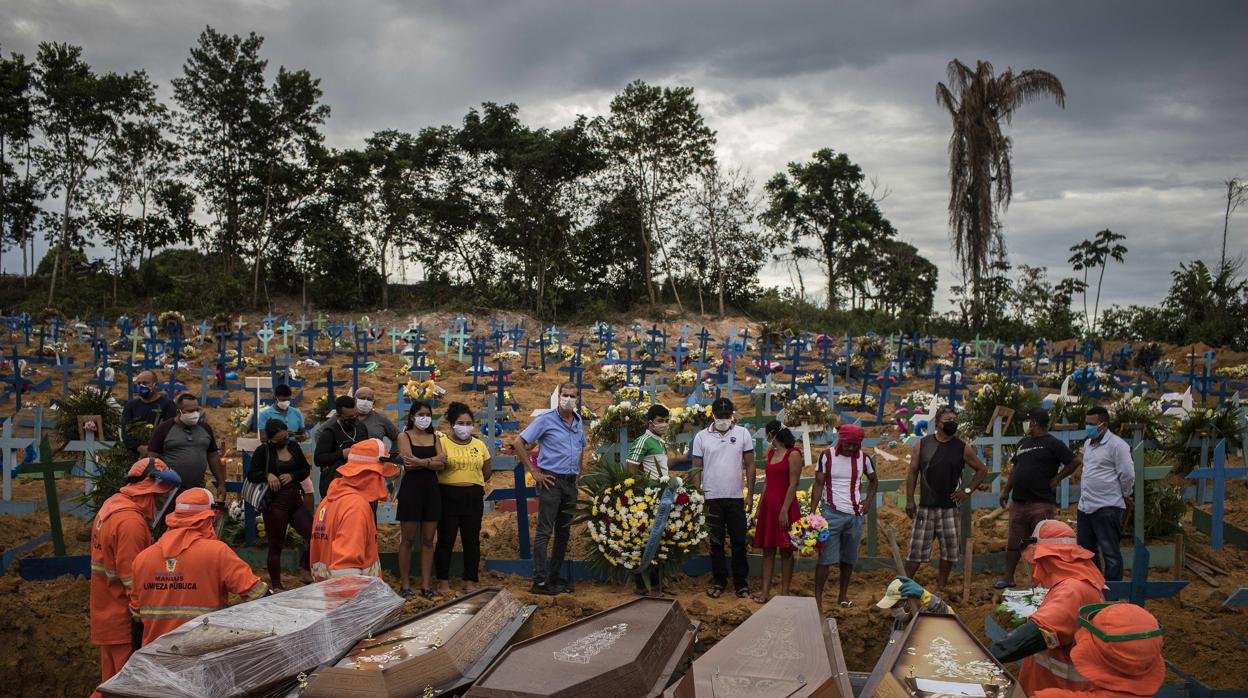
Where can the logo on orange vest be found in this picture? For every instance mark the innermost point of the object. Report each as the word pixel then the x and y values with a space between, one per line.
pixel 170 563
pixel 320 514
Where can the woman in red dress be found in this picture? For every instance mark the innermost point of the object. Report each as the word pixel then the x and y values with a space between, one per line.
pixel 777 508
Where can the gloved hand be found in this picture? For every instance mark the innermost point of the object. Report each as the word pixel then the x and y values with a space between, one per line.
pixel 910 588
pixel 136 634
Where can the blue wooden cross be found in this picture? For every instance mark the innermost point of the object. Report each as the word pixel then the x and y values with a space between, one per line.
pixel 19 382
pixel 208 377
pixel 515 334
pixel 628 362
pixel 1138 589
pixel 334 331
pixel 362 340
pixel 329 384
pixel 1218 473
pixel 309 334
pixel 65 367
pixel 402 403
pixel 1204 382
pixel 795 359
pixel 493 420
pixel 500 381
pixel 704 340
pixel 679 353
pixel 26 328
pixel 478 366
pixel 356 366
pixel 555 335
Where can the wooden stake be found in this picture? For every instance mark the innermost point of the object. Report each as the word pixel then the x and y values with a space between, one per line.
pixel 1179 557
pixel 1212 567
pixel 891 535
pixel 969 571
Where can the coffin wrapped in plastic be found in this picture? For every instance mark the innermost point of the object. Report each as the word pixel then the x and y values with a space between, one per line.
pixel 783 650
pixel 258 647
pixel 629 651
pixel 936 655
pixel 439 651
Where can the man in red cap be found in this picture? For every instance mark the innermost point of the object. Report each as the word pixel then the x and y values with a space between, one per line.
pixel 188 572
pixel 122 529
pixel 1118 649
pixel 837 496
pixel 344 530
pixel 1044 641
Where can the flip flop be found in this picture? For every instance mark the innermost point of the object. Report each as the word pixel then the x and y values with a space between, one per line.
pixel 1002 584
pixel 715 592
pixel 743 593
pixel 847 604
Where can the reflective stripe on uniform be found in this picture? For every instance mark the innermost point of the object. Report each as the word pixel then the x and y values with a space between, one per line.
pixel 257 591
pixel 175 611
pixel 98 567
pixel 1058 668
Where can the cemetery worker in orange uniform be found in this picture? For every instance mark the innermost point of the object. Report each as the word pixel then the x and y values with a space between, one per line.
pixel 122 529
pixel 1118 649
pixel 344 530
pixel 1044 641
pixel 188 572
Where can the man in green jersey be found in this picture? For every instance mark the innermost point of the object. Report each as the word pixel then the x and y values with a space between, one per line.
pixel 649 452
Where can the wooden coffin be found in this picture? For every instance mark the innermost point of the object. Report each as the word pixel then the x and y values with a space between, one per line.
pixel 629 651
pixel 258 647
pixel 783 650
pixel 441 650
pixel 936 654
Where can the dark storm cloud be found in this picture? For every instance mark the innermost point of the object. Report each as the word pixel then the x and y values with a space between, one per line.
pixel 1156 93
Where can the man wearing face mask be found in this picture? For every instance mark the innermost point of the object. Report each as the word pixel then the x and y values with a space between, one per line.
pixel 188 446
pixel 148 407
pixel 649 452
pixel 284 412
pixel 375 424
pixel 335 439
pixel 1040 463
pixel 937 461
pixel 561 437
pixel 1104 492
pixel 122 530
pixel 721 452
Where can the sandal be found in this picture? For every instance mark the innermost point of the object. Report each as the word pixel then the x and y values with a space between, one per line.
pixel 847 604
pixel 743 593
pixel 1003 584
pixel 715 591
pixel 406 592
pixel 758 599
pixel 427 593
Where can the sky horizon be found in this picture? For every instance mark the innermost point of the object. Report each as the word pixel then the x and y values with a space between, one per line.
pixel 1147 137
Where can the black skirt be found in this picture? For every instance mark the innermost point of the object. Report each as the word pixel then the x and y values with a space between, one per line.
pixel 419 499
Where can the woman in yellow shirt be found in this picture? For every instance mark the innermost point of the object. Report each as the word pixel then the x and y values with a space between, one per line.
pixel 461 485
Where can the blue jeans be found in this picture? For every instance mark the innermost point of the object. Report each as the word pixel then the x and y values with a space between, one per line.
pixel 1101 532
pixel 845 534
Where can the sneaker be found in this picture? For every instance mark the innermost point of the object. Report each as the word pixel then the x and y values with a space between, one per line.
pixel 560 588
pixel 542 589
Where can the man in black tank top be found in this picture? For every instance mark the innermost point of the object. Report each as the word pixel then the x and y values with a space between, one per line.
pixel 936 463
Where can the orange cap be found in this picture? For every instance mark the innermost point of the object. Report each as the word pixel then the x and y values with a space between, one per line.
pixel 191 507
pixel 365 457
pixel 1133 667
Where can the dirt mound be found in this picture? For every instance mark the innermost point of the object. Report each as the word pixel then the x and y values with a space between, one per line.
pixel 43 629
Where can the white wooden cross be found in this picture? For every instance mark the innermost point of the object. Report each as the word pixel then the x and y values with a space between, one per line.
pixel 1064 396
pixel 258 383
pixel 805 431
pixel 11 445
pixel 768 389
pixel 1186 403
pixel 87 447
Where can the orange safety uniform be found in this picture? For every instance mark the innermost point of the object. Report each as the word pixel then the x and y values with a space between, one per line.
pixel 120 531
pixel 1074 581
pixel 344 530
pixel 1117 668
pixel 188 572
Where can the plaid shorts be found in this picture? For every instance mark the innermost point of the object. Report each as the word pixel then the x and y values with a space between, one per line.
pixel 929 523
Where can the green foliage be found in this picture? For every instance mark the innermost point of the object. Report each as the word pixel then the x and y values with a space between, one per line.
pixel 111 466
pixel 88 400
pixel 1164 509
pixel 1069 412
pixel 1132 411
pixel 980 405
pixel 1224 422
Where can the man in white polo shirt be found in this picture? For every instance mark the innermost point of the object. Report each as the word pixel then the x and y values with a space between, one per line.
pixel 721 452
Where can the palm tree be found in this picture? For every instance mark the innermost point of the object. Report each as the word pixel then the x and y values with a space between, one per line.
pixel 980 182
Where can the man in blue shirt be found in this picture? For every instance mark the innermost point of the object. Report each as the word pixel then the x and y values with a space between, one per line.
pixel 285 413
pixel 561 438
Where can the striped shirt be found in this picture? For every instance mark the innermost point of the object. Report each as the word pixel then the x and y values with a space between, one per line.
pixel 843 481
pixel 650 453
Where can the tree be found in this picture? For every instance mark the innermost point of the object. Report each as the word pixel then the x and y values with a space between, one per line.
pixel 657 140
pixel 1090 254
pixel 16 125
pixel 823 210
pixel 78 113
pixel 980 170
pixel 905 282
pixel 721 242
pixel 1236 195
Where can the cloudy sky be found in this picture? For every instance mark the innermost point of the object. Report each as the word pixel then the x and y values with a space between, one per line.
pixel 1154 122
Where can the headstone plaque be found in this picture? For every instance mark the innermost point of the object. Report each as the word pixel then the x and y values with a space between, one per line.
pixel 937 655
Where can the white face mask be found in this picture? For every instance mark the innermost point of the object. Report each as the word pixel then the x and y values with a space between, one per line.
pixel 659 428
pixel 423 422
pixel 283 405
pixel 190 418
pixel 363 406
pixel 462 431
pixel 567 404
pixel 721 425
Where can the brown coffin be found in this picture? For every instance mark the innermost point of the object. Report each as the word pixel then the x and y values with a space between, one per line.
pixel 629 651
pixel 783 650
pixel 937 647
pixel 441 650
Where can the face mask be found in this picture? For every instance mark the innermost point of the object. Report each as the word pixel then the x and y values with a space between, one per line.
pixel 363 406
pixel 949 428
pixel 1092 430
pixel 659 428
pixel 283 405
pixel 722 425
pixel 567 404
pixel 423 422
pixel 462 431
pixel 347 423
pixel 279 444
pixel 190 418
pixel 144 390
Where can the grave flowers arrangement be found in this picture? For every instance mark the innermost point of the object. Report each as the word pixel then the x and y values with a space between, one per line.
pixel 1224 422
pixel 171 319
pixel 751 520
pixel 807 409
pixel 619 511
pixel 423 391
pixel 1017 605
pixel 319 410
pixel 981 403
pixel 809 534
pixel 90 400
pixel 1129 410
pixel 767 365
pixel 684 380
pixel 869 344
pixel 920 401
pixel 856 403
pixel 688 419
pixel 612 377
pixel 1236 372
pixel 240 419
pixel 627 415
pixel 505 355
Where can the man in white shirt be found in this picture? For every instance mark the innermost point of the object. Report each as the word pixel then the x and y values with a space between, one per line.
pixel 721 452
pixel 837 496
pixel 1104 492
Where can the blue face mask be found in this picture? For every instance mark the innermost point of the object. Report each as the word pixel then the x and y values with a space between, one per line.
pixel 144 390
pixel 1092 430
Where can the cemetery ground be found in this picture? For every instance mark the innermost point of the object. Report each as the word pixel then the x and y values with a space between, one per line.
pixel 44 630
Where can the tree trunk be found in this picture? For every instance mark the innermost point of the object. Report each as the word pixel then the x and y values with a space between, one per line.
pixel 1096 307
pixel 3 238
pixel 385 280
pixel 645 263
pixel 831 260
pixel 60 245
pixel 1226 219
